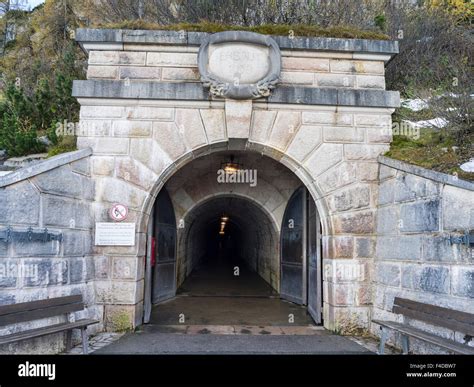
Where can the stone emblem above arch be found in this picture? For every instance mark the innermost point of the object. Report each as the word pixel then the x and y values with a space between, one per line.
pixel 239 64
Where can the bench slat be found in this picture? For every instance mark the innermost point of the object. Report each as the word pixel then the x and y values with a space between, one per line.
pixel 428 337
pixel 41 304
pixel 435 320
pixel 39 332
pixel 37 314
pixel 435 310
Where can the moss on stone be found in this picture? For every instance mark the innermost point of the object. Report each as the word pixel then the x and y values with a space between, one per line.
pixel 299 30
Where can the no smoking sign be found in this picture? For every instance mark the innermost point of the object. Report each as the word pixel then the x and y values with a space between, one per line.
pixel 118 212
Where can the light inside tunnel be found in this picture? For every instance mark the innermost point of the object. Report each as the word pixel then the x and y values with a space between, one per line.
pixel 247 236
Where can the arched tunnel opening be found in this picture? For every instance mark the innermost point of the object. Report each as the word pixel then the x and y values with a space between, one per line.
pixel 234 254
pixel 229 248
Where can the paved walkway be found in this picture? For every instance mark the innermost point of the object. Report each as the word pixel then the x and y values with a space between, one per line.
pixel 143 342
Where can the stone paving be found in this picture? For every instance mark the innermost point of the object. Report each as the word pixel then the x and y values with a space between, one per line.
pixel 96 342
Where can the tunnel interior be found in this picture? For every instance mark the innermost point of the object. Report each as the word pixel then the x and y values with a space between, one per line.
pixel 230 243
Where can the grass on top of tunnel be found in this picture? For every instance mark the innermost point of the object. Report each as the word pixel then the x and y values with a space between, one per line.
pixel 434 149
pixel 301 30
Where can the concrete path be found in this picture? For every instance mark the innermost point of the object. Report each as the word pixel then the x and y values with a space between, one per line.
pixel 150 342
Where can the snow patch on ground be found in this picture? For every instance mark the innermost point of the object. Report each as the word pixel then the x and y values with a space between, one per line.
pixel 468 167
pixel 415 105
pixel 437 122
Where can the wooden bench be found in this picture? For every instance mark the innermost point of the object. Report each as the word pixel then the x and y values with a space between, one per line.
pixel 35 310
pixel 434 315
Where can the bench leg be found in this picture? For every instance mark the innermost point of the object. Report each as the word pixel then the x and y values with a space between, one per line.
pixel 383 339
pixel 68 340
pixel 85 344
pixel 405 344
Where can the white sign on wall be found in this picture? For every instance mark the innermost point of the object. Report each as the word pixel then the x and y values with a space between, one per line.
pixel 114 234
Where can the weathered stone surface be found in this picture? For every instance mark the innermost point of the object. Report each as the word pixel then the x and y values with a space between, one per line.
pixel 334 80
pixel 286 125
pixel 262 122
pixel 132 128
pixel 436 248
pixel 180 74
pixel 386 192
pixel 19 201
pixel 364 152
pixel 238 116
pixel 63 212
pixel 386 172
pixel 76 270
pixel 382 121
pixel 117 57
pixel 352 198
pixel 337 177
pixel 103 165
pixel 46 272
pixel 362 222
pixel 102 111
pixel 420 216
pixel 142 73
pixel 9 274
pixel 388 221
pixel 34 248
pixel 462 279
pixel 308 64
pixel 364 247
pixel 379 135
pixel 296 78
pixel 409 187
pixel 81 166
pixel 118 191
pixel 305 141
pixel 102 72
pixel 388 274
pixel 74 243
pixel 455 202
pixel 102 267
pixel 62 181
pixel 214 123
pixel 150 154
pixel 339 247
pixel 125 268
pixel 172 59
pixel 134 172
pixel 406 248
pixel 190 126
pixel 370 82
pixel 343 134
pixel 324 157
pixel 434 279
pixel 327 118
pixel 150 113
pixel 105 146
pixel 169 138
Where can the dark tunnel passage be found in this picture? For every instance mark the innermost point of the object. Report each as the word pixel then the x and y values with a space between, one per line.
pixel 230 248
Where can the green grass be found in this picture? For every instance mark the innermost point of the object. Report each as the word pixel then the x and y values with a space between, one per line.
pixel 434 150
pixel 267 29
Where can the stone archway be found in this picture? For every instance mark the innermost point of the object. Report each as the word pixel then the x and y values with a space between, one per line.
pixel 329 133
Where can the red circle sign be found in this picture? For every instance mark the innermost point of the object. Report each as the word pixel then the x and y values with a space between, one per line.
pixel 118 212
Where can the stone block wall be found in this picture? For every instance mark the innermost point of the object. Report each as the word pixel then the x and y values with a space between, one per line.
pixel 164 63
pixel 418 210
pixel 56 194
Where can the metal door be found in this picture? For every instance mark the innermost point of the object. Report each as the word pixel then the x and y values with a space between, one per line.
pixel 164 272
pixel 292 249
pixel 313 254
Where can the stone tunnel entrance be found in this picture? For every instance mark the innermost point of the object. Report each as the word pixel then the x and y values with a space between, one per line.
pixel 232 254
